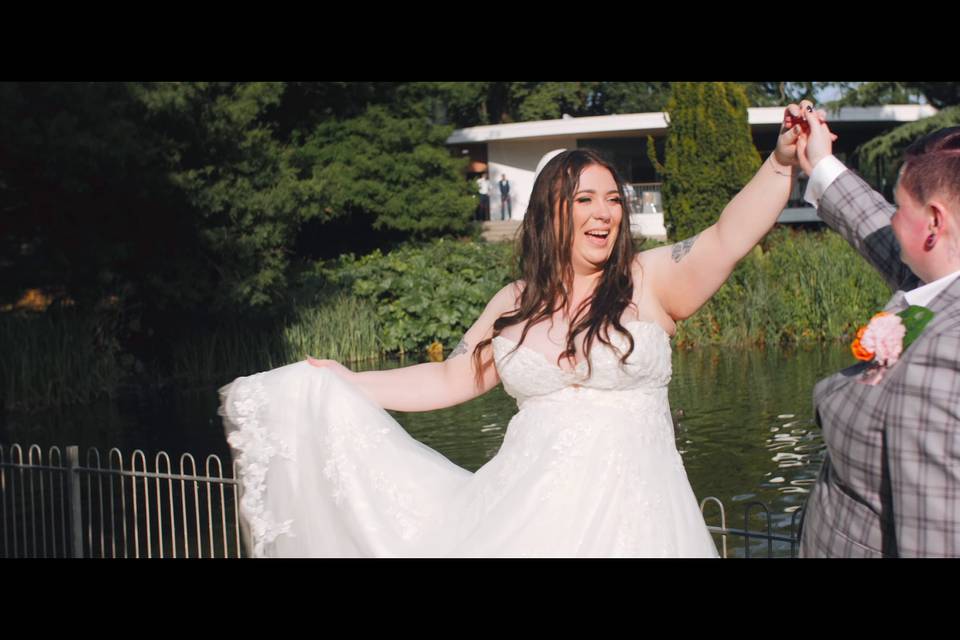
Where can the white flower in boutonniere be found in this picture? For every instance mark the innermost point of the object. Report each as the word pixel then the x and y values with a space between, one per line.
pixel 882 340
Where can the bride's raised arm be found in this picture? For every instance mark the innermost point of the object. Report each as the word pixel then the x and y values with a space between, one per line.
pixel 435 385
pixel 685 275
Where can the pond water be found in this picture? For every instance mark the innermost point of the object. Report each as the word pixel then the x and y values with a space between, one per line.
pixel 743 418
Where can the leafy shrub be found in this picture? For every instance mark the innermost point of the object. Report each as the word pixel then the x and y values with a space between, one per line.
pixel 805 287
pixel 426 293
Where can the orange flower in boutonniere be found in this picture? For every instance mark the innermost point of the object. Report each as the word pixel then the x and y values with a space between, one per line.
pixel 857 348
pixel 882 340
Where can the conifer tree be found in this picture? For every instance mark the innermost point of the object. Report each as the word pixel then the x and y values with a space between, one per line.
pixel 709 154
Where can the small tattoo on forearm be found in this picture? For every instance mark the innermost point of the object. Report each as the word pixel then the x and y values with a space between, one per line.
pixel 460 348
pixel 683 248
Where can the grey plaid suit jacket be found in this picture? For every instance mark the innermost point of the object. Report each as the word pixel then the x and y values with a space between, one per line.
pixel 890 483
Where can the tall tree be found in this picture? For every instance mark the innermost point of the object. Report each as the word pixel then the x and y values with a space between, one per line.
pixel 551 100
pixel 86 206
pixel 776 94
pixel 385 174
pixel 709 154
pixel 461 104
pixel 303 105
pixel 939 94
pixel 869 94
pixel 629 97
pixel 879 159
pixel 193 194
pixel 866 94
pixel 248 197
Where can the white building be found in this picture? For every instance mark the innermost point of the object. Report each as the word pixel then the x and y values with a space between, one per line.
pixel 515 150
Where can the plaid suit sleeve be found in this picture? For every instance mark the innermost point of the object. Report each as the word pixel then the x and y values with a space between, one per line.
pixel 923 450
pixel 853 209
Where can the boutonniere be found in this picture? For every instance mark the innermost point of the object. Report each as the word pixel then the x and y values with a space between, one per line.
pixel 882 340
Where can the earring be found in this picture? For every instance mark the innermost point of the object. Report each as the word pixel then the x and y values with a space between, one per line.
pixel 930 241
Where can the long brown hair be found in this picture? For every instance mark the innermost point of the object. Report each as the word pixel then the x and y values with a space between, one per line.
pixel 546 266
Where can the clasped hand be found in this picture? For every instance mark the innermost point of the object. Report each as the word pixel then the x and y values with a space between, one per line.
pixel 805 138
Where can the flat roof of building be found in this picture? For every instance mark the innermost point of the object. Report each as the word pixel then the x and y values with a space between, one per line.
pixel 656 122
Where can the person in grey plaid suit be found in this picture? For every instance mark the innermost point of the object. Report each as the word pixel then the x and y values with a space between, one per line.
pixel 890 483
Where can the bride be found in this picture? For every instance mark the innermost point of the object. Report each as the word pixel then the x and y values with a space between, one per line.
pixel 588 465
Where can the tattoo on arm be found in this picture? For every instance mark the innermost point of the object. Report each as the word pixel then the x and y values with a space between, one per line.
pixel 460 348
pixel 683 248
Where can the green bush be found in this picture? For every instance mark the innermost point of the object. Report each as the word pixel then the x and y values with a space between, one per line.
pixel 805 287
pixel 801 287
pixel 426 293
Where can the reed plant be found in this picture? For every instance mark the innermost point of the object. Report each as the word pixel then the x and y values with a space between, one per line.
pixel 340 327
pixel 225 351
pixel 800 287
pixel 63 355
pixel 345 328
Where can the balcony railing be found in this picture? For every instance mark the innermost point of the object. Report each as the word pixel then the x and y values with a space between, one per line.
pixel 644 197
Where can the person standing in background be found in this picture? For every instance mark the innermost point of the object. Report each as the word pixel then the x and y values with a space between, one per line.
pixel 505 211
pixel 483 187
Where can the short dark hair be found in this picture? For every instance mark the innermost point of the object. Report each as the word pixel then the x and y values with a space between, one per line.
pixel 931 166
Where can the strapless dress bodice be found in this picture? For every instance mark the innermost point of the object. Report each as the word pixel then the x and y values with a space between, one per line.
pixel 531 378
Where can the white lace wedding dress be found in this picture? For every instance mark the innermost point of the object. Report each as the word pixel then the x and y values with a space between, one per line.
pixel 588 467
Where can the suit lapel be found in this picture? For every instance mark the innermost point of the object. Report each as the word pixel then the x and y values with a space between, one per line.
pixel 897 303
pixel 940 306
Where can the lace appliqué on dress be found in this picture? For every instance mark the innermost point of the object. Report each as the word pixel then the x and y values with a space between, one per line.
pixel 254 447
pixel 344 439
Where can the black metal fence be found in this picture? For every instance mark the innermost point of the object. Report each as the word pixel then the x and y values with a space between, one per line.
pixel 756 543
pixel 115 508
pixel 119 508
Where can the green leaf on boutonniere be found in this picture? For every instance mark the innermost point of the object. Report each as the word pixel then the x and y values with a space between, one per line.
pixel 914 319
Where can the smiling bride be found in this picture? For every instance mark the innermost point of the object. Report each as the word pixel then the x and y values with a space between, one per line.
pixel 588 464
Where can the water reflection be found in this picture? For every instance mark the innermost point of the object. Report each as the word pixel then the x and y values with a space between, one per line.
pixel 748 423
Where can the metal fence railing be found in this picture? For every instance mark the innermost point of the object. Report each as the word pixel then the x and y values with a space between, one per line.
pixel 774 545
pixel 647 197
pixel 115 508
pixel 120 508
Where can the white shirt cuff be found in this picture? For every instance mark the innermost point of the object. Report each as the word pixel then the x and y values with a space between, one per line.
pixel 824 173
